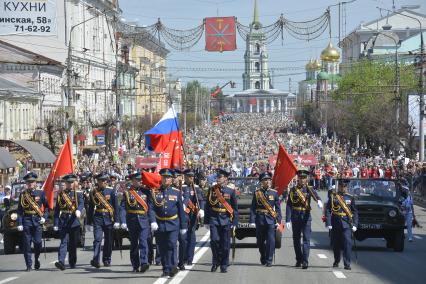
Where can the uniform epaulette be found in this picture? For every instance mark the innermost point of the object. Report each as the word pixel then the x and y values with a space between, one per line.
pixel 174 188
pixel 349 194
pixel 79 191
pixel 271 189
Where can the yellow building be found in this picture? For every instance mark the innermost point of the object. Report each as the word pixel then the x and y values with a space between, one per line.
pixel 149 57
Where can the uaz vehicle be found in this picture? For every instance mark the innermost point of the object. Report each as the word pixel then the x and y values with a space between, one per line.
pixel 13 238
pixel 379 210
pixel 245 189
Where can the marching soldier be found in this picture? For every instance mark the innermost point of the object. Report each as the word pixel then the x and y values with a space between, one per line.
pixel 69 204
pixel 221 217
pixel 136 216
pixel 195 214
pixel 265 215
pixel 170 221
pixel 33 210
pixel 103 208
pixel 342 220
pixel 298 216
pixel 86 187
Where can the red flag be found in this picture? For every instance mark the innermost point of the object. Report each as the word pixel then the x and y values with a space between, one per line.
pixel 216 92
pixel 220 34
pixel 151 180
pixel 62 166
pixel 253 101
pixel 285 170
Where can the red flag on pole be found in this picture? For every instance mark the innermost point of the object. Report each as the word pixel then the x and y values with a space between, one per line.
pixel 62 166
pixel 151 180
pixel 285 170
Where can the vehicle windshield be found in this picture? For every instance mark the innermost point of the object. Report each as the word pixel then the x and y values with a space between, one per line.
pixel 365 189
pixel 245 186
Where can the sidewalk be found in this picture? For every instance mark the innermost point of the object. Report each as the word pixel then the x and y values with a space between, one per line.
pixel 419 200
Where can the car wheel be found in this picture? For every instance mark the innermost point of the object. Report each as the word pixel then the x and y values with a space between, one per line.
pixel 9 244
pixel 398 242
pixel 278 237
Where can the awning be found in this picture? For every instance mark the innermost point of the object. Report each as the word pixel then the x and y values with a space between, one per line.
pixel 39 153
pixel 6 159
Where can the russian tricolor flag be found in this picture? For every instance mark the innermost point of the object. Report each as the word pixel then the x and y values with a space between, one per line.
pixel 166 138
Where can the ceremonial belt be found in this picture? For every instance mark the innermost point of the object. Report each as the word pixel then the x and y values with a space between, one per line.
pixel 67 211
pixel 106 204
pixel 33 204
pixel 68 201
pixel 339 214
pixel 302 197
pixel 139 212
pixel 102 210
pixel 344 206
pixel 220 210
pixel 30 212
pixel 260 196
pixel 299 208
pixel 166 218
pixel 262 211
pixel 225 204
pixel 139 199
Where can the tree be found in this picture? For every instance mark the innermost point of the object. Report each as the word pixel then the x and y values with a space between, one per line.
pixel 54 128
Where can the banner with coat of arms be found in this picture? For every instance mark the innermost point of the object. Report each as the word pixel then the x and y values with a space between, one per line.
pixel 220 34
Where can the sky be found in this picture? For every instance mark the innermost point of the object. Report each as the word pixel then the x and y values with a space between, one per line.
pixel 289 53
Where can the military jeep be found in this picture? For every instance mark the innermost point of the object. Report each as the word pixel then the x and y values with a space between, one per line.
pixel 379 209
pixel 245 188
pixel 13 238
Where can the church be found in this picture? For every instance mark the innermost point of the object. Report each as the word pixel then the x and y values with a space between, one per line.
pixel 258 95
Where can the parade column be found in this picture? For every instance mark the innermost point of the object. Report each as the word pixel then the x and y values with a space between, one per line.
pixel 264 105
pixel 257 105
pixel 272 105
pixel 279 104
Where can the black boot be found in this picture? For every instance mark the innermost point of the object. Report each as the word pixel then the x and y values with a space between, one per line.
pixel 298 264
pixel 95 264
pixel 37 264
pixel 174 271
pixel 335 264
pixel 304 265
pixel 28 269
pixel 144 267
pixel 60 265
pixel 214 268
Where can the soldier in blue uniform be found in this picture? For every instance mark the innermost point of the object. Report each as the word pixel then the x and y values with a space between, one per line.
pixel 265 215
pixel 103 210
pixel 342 220
pixel 170 221
pixel 69 204
pixel 221 217
pixel 136 215
pixel 298 216
pixel 33 210
pixel 196 212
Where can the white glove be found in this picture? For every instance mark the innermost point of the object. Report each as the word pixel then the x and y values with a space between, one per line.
pixel 124 226
pixel 89 228
pixel 354 229
pixel 207 226
pixel 288 225
pixel 77 213
pixel 201 213
pixel 183 231
pixel 55 229
pixel 320 205
pixel 42 220
pixel 20 228
pixel 154 226
pixel 116 225
pixel 252 225
pixel 184 207
pixel 330 227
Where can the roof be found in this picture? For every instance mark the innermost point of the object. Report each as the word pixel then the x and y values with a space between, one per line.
pixel 260 92
pixel 6 159
pixel 39 153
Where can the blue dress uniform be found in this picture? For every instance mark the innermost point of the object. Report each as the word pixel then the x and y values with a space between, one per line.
pixel 69 204
pixel 266 224
pixel 104 215
pixel 220 223
pixel 182 239
pixel 341 226
pixel 137 220
pixel 33 210
pixel 299 214
pixel 170 218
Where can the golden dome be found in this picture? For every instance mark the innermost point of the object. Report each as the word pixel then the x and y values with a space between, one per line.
pixel 310 65
pixel 330 54
pixel 316 65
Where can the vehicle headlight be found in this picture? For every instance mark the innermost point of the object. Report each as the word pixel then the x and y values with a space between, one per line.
pixel 13 216
pixel 392 213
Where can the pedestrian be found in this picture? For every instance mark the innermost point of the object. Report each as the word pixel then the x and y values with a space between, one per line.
pixel 221 218
pixel 169 222
pixel 298 216
pixel 265 215
pixel 408 210
pixel 136 215
pixel 103 210
pixel 342 220
pixel 33 210
pixel 69 204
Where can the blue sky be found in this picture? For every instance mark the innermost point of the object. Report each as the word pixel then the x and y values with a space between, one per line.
pixel 289 53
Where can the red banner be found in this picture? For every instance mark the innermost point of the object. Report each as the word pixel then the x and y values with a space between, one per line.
pixel 285 170
pixel 146 163
pixel 306 160
pixel 220 34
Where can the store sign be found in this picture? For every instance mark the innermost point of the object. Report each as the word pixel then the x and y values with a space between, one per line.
pixel 31 17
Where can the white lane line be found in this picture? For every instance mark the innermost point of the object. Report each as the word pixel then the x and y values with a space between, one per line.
pixel 418 237
pixel 198 254
pixel 339 274
pixel 320 255
pixel 8 280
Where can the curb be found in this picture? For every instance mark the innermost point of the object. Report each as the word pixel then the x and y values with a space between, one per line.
pixel 419 200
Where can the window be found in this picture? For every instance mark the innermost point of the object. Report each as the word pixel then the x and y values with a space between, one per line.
pixel 257 47
pixel 257 66
pixel 257 85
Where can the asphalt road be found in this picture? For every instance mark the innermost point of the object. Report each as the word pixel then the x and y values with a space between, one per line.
pixel 376 264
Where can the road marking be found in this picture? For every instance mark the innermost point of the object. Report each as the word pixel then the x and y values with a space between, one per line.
pixel 198 254
pixel 418 237
pixel 339 274
pixel 8 280
pixel 320 255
